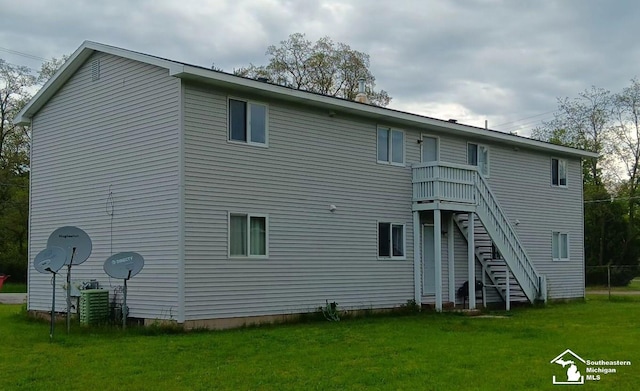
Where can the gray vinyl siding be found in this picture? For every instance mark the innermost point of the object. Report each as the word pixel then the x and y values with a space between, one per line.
pixel 312 161
pixel 521 181
pixel 118 134
pixel 526 194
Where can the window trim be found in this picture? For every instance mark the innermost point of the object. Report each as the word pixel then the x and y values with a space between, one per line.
pixel 248 244
pixel 248 122
pixel 560 259
pixel 478 145
pixel 391 257
pixel 422 136
pixel 566 173
pixel 390 146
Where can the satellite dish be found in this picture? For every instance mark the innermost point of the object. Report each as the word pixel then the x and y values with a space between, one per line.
pixel 75 241
pixel 124 265
pixel 50 260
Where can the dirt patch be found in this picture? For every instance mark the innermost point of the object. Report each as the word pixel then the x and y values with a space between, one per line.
pixel 615 293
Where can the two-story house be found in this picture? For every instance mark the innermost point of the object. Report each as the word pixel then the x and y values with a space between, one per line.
pixel 250 201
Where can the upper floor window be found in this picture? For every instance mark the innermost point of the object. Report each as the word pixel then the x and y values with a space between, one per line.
pixel 558 172
pixel 478 155
pixel 560 246
pixel 429 149
pixel 390 146
pixel 247 122
pixel 391 241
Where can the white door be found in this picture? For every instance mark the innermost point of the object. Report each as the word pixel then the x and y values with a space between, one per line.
pixel 429 149
pixel 428 261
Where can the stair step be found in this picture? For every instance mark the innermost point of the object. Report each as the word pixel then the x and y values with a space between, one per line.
pixel 496 269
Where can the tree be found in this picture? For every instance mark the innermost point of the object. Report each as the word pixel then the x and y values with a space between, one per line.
pixel 608 124
pixel 14 162
pixel 324 67
pixel 50 67
pixel 626 141
pixel 583 122
pixel 15 83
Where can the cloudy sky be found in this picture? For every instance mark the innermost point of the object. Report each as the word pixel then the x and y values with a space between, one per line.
pixel 505 61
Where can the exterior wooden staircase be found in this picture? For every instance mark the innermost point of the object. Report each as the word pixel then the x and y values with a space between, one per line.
pixel 494 270
pixel 462 188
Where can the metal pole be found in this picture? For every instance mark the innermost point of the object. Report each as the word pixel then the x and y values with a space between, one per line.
pixel 124 306
pixel 68 298
pixel 609 280
pixel 73 253
pixel 53 309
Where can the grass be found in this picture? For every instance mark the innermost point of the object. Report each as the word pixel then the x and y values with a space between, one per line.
pixel 426 351
pixel 13 287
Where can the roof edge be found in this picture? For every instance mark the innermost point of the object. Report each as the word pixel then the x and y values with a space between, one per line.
pixel 222 78
pixel 182 70
pixel 75 61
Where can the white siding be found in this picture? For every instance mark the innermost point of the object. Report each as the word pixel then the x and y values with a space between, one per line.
pixel 118 134
pixel 521 180
pixel 312 161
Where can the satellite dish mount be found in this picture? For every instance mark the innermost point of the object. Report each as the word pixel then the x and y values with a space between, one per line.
pixel 77 243
pixel 50 260
pixel 124 266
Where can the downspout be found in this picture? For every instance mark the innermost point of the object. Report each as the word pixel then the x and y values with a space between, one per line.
pixel 181 207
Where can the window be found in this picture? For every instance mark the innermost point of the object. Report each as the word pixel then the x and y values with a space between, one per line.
pixel 560 246
pixel 559 172
pixel 247 122
pixel 429 149
pixel 390 146
pixel 478 155
pixel 391 241
pixel 247 235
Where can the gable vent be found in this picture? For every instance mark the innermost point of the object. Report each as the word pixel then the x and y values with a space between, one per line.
pixel 95 70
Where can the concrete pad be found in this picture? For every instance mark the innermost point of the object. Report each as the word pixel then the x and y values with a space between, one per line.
pixel 13 298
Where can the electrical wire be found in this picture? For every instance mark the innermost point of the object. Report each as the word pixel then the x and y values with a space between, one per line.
pixel 109 209
pixel 521 119
pixel 23 54
pixel 611 199
pixel 526 124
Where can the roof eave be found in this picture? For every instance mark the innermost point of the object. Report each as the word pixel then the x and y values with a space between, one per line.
pixel 53 85
pixel 374 112
pixel 185 71
pixel 74 62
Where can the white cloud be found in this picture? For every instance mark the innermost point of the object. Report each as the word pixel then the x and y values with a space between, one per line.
pixel 470 60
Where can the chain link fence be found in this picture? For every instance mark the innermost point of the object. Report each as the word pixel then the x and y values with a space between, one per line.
pixel 613 280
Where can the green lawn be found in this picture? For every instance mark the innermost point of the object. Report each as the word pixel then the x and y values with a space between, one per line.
pixel 415 352
pixel 13 287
